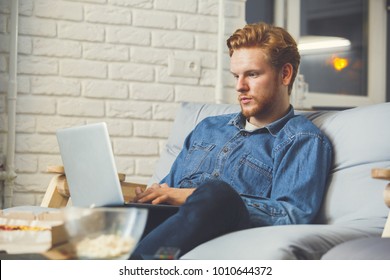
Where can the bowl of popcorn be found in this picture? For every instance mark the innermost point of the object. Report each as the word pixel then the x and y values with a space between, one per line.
pixel 103 233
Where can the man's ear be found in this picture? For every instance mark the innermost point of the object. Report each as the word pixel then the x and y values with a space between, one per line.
pixel 287 73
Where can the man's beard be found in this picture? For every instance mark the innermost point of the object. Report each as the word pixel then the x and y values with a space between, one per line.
pixel 253 110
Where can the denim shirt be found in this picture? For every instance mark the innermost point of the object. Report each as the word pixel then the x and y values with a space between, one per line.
pixel 280 170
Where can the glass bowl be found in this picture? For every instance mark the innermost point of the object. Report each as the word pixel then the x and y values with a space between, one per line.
pixel 103 233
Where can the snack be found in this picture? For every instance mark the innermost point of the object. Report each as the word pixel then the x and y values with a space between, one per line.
pixel 106 246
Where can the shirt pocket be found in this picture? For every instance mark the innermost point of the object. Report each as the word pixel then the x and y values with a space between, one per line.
pixel 252 177
pixel 196 156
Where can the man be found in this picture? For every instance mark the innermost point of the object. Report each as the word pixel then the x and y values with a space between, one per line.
pixel 263 166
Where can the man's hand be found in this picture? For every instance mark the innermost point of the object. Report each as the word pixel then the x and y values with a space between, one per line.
pixel 157 194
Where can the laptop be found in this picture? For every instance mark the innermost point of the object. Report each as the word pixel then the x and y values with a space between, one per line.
pixel 90 168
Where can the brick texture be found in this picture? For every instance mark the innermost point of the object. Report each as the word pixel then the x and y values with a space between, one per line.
pixel 87 61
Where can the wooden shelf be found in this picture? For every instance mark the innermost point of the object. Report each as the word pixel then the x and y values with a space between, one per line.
pixel 380 173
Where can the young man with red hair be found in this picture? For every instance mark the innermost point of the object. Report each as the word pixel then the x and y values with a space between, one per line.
pixel 260 167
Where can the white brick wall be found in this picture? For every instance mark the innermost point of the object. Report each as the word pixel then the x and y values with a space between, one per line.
pixel 86 61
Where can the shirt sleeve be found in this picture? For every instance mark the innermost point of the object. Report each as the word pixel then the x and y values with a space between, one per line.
pixel 172 178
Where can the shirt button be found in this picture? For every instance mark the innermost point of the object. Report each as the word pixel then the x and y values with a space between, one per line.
pixel 225 150
pixel 244 133
pixel 216 174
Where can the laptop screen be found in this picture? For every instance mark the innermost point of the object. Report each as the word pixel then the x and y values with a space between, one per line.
pixel 89 165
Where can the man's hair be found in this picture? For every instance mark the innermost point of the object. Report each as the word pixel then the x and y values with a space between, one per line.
pixel 276 42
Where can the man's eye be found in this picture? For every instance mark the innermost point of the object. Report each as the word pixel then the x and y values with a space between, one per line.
pixel 252 74
pixel 235 76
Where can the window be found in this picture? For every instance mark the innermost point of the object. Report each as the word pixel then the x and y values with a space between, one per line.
pixel 351 70
pixel 334 42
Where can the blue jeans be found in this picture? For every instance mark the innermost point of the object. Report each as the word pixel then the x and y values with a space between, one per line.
pixel 213 209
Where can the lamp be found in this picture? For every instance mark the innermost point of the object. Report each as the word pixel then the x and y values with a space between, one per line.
pixel 313 44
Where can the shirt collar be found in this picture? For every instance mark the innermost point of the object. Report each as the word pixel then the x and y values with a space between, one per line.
pixel 239 120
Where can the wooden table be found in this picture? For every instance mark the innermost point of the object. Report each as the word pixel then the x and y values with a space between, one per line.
pixel 384 174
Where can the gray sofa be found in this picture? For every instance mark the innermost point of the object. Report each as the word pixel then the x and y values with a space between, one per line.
pixel 353 207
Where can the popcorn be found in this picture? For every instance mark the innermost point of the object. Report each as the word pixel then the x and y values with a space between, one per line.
pixel 106 246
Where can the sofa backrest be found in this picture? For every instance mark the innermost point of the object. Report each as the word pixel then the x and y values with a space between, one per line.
pixel 360 139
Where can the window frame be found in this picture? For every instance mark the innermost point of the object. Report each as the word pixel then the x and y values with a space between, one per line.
pixel 287 14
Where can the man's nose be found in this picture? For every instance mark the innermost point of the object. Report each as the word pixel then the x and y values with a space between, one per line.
pixel 241 85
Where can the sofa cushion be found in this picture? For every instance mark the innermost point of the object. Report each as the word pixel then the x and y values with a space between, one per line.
pixel 374 248
pixel 291 242
pixel 360 141
pixel 359 135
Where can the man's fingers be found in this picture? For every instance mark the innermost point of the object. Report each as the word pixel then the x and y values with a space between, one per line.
pixel 138 190
pixel 154 186
pixel 148 196
pixel 140 194
pixel 160 199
